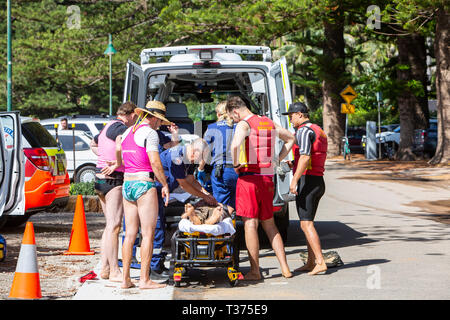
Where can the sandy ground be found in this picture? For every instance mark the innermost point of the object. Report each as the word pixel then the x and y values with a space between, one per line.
pixel 59 274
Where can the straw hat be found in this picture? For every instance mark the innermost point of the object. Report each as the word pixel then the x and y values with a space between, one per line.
pixel 156 109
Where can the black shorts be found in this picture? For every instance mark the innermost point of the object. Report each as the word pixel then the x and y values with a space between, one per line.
pixel 103 186
pixel 310 189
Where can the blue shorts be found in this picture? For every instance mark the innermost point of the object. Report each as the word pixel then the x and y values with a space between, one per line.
pixel 133 190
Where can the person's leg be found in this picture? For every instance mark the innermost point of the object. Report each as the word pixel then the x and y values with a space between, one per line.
pixel 113 214
pixel 310 262
pixel 230 179
pixel 157 262
pixel 148 214
pixel 132 228
pixel 216 216
pixel 276 241
pixel 252 243
pixel 104 273
pixel 314 242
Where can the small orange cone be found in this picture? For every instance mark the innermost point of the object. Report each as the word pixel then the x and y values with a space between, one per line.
pixel 79 239
pixel 26 284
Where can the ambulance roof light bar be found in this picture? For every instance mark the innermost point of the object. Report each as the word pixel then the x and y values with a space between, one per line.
pixel 203 51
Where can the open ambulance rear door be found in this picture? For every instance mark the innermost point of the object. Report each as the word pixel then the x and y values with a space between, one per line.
pixel 280 79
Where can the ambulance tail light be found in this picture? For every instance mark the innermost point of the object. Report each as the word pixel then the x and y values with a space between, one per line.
pixel 38 157
pixel 277 208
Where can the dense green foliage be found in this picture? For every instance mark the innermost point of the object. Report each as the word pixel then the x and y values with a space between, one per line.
pixel 60 69
pixel 83 188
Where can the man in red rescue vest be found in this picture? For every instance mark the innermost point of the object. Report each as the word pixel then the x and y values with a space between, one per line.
pixel 252 151
pixel 308 184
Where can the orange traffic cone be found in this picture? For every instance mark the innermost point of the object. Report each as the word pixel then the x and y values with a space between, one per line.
pixel 26 284
pixel 79 239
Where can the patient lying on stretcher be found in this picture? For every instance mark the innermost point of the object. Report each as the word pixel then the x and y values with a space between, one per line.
pixel 201 213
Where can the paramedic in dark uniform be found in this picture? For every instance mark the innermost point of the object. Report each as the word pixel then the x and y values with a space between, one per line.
pixel 308 184
pixel 223 177
pixel 179 164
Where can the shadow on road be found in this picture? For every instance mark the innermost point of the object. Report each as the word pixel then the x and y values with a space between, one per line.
pixel 333 235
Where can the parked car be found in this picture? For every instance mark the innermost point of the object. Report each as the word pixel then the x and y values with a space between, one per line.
pixel 83 159
pixel 46 181
pixel 354 136
pixel 192 75
pixel 92 125
pixel 425 141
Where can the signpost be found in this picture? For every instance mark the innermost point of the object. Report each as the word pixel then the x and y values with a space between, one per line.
pixel 379 102
pixel 348 94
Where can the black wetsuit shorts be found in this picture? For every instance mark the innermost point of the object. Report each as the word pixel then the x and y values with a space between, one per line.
pixel 310 190
pixel 103 186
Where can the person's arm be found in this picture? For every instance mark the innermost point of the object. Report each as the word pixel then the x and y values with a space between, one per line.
pixel 301 167
pixel 173 129
pixel 288 138
pixel 190 185
pixel 157 168
pixel 305 137
pixel 94 145
pixel 240 133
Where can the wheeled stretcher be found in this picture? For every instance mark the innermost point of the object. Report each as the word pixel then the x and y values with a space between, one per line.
pixel 199 249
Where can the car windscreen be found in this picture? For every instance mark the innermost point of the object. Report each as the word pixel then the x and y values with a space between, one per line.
pixel 67 143
pixel 37 136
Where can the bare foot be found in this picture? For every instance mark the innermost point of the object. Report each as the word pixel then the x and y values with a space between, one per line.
pixel 287 274
pixel 115 277
pixel 306 267
pixel 104 273
pixel 252 276
pixel 318 269
pixel 126 284
pixel 151 285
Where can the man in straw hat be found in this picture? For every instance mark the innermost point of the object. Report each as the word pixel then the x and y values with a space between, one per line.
pixel 139 151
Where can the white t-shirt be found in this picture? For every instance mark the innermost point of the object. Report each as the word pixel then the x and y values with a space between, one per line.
pixel 141 135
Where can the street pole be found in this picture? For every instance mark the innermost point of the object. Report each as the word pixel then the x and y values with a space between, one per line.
pixel 379 101
pixel 110 51
pixel 110 79
pixel 9 59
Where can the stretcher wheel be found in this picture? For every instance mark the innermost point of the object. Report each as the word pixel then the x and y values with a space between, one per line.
pixel 233 282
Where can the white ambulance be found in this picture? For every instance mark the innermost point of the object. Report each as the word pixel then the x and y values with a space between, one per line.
pixel 211 73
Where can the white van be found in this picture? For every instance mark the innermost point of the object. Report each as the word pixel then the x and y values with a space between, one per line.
pixel 184 75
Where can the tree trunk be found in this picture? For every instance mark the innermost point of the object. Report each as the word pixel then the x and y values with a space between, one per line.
pixel 333 51
pixel 442 53
pixel 418 61
pixel 413 108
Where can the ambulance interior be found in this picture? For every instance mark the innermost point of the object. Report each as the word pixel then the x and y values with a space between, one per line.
pixel 192 95
pixel 186 92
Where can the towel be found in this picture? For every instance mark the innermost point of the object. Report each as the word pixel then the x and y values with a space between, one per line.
pixel 225 226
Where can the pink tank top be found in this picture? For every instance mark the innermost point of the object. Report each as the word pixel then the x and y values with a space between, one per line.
pixel 107 149
pixel 135 158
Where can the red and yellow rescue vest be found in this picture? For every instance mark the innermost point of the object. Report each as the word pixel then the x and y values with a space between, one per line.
pixel 316 166
pixel 257 149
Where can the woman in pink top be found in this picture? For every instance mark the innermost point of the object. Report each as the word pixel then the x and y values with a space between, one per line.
pixel 140 155
pixel 108 186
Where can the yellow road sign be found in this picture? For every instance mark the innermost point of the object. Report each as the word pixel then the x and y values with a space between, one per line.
pixel 347 108
pixel 348 94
